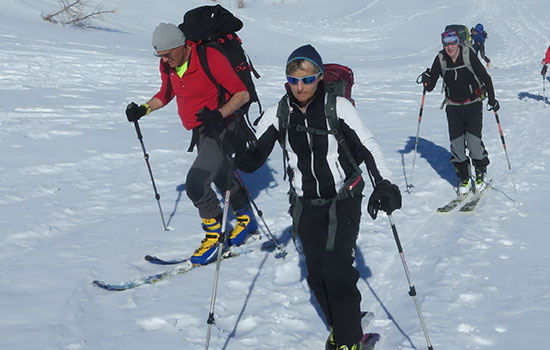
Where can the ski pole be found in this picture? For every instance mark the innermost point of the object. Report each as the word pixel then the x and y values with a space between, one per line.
pixel 417 131
pixel 280 248
pixel 412 289
pixel 231 159
pixel 211 320
pixel 544 90
pixel 146 157
pixel 505 151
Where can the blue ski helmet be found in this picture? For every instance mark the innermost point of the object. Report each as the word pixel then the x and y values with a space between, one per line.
pixel 479 28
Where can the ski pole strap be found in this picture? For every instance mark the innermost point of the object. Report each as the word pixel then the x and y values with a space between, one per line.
pixel 194 138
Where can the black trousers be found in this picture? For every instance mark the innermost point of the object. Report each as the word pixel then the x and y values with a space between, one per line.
pixel 481 49
pixel 331 275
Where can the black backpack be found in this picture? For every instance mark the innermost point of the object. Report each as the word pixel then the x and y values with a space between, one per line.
pixel 214 26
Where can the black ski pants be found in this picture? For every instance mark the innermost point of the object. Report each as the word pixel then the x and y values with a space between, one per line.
pixel 331 275
pixel 481 50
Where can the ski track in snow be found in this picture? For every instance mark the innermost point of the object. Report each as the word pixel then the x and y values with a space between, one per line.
pixel 78 203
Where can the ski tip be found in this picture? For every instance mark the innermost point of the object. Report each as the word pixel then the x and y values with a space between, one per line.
pixel 150 257
pixel 100 284
pixel 367 313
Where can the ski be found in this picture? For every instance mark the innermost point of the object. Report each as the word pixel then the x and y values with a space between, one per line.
pixel 472 203
pixel 453 204
pixel 366 318
pixel 161 276
pixel 267 246
pixel 158 261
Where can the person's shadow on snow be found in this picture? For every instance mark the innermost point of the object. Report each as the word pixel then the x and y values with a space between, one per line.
pixel 365 273
pixel 527 95
pixel 254 183
pixel 438 158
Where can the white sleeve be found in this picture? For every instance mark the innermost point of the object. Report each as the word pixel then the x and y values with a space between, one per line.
pixel 346 111
pixel 269 118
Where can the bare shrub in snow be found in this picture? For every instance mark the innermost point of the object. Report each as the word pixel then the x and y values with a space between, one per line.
pixel 75 13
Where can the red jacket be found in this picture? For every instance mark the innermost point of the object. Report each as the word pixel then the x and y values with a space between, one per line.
pixel 547 58
pixel 194 90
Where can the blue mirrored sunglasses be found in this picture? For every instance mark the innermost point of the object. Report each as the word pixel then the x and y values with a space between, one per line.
pixel 449 40
pixel 452 42
pixel 310 79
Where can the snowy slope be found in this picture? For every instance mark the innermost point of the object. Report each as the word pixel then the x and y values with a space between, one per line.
pixel 76 202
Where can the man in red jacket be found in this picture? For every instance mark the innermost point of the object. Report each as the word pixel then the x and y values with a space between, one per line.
pixel 545 61
pixel 197 97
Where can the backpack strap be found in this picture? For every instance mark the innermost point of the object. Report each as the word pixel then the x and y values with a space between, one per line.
pixel 467 64
pixel 166 68
pixel 283 115
pixel 201 52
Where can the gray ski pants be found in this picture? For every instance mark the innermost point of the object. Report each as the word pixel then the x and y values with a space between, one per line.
pixel 212 166
pixel 465 125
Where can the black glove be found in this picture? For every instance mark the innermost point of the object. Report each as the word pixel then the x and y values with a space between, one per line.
pixel 543 71
pixel 426 77
pixel 233 143
pixel 386 196
pixel 134 112
pixel 212 120
pixel 495 106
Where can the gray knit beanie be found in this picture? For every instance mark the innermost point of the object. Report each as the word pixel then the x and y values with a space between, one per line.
pixel 167 36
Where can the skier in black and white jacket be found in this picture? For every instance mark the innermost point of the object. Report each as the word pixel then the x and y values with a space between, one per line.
pixel 325 188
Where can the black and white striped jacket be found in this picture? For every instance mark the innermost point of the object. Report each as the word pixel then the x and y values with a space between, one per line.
pixel 317 167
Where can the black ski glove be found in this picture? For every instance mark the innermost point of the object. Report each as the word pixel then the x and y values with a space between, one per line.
pixel 134 112
pixel 495 106
pixel 386 196
pixel 212 120
pixel 426 77
pixel 543 71
pixel 234 144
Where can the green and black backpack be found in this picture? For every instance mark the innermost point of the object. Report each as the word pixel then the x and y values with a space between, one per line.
pixel 463 33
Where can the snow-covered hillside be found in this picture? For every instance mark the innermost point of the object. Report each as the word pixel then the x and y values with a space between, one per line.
pixel 76 202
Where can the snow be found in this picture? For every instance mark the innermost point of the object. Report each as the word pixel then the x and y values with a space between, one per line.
pixel 77 205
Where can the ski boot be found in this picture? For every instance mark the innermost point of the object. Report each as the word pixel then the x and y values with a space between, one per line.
pixel 480 180
pixel 246 224
pixel 330 344
pixel 464 188
pixel 357 346
pixel 209 245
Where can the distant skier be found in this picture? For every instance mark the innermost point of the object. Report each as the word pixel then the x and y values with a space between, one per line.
pixel 465 78
pixel 479 35
pixel 545 62
pixel 199 109
pixel 325 187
